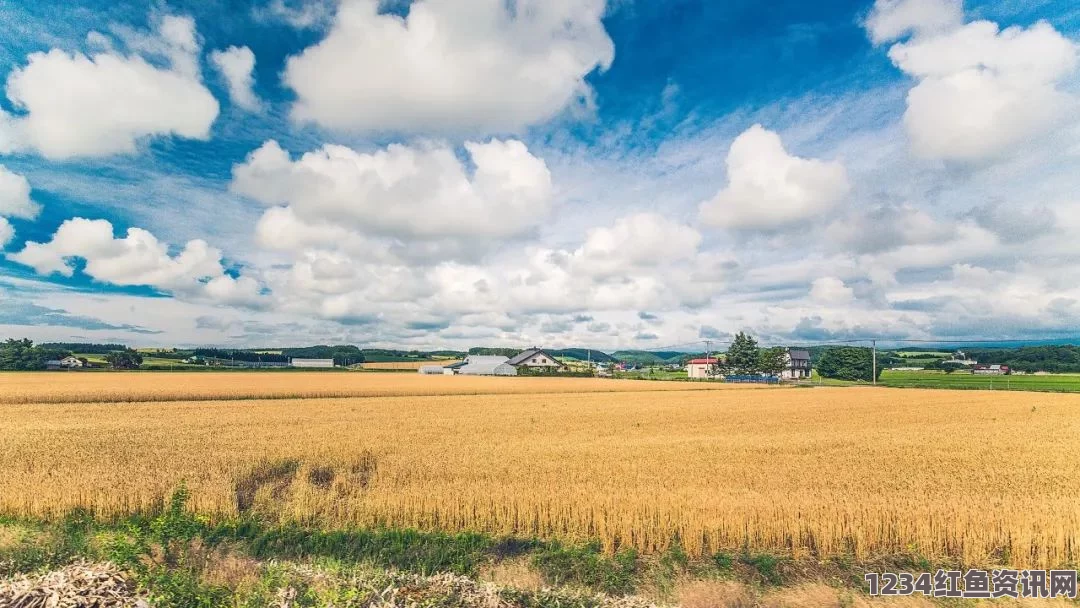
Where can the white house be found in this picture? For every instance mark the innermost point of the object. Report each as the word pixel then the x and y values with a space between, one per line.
pixel 70 362
pixel 797 364
pixel 436 370
pixel 311 363
pixel 537 358
pixel 960 358
pixel 702 368
pixel 484 365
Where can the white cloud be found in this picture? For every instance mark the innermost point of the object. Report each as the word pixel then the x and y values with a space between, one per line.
pixel 137 259
pixel 7 233
pixel 237 66
pixel 78 105
pixel 405 192
pixel 450 66
pixel 831 290
pixel 893 19
pixel 300 14
pixel 637 241
pixel 885 228
pixel 770 189
pixel 15 198
pixel 981 91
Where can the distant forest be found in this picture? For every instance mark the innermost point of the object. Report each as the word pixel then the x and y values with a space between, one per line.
pixel 1051 358
pixel 19 354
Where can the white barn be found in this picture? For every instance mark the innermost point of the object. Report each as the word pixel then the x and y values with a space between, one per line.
pixel 481 365
pixel 311 363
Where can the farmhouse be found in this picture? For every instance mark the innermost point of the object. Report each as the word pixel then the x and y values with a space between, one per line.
pixel 535 358
pixel 311 363
pixel 68 362
pixel 702 368
pixel 960 358
pixel 481 365
pixel 797 364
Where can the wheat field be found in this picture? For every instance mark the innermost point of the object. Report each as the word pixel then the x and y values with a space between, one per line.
pixel 107 387
pixel 980 476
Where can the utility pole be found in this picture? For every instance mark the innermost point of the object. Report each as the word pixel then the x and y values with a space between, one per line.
pixel 873 344
pixel 708 366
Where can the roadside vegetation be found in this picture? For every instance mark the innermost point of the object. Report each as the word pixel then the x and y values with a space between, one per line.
pixel 173 557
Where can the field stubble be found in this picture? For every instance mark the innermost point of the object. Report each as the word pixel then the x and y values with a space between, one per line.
pixel 982 477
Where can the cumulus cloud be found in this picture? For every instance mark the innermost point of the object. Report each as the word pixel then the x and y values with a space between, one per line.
pixel 893 19
pixel 136 259
pixel 1013 223
pixel 769 189
pixel 641 240
pixel 237 66
pixel 77 105
pixel 15 198
pixel 7 233
pixel 981 91
pixel 886 227
pixel 452 66
pixel 404 192
pixel 831 290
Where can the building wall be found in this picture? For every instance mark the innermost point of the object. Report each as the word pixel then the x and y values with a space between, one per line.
pixel 309 363
pixel 698 370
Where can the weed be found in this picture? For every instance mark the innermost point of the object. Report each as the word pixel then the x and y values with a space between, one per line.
pixel 587 566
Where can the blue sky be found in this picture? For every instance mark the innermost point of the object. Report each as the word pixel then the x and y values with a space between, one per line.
pixel 611 174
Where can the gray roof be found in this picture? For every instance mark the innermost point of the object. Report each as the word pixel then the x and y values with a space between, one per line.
pixel 524 355
pixel 799 354
pixel 487 366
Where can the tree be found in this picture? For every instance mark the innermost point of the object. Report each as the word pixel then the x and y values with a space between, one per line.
pixel 125 359
pixel 19 355
pixel 22 355
pixel 772 361
pixel 742 355
pixel 847 363
pixel 949 367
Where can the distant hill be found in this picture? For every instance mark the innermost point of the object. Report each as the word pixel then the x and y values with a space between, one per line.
pixel 582 354
pixel 648 357
pixel 385 355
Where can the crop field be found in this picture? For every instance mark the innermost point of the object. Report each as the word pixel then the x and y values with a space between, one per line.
pixel 986 477
pixel 79 387
pixel 405 365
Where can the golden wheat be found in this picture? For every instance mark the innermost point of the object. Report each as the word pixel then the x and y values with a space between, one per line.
pixel 109 387
pixel 986 477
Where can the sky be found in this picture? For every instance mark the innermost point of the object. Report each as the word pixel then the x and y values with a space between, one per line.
pixel 606 174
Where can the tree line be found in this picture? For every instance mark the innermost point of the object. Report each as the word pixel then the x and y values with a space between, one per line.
pixel 24 355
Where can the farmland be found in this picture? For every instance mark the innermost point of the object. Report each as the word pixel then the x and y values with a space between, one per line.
pixel 983 477
pixel 398 366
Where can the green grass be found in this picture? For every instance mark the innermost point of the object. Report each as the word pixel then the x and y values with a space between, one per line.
pixel 957 380
pixel 1057 383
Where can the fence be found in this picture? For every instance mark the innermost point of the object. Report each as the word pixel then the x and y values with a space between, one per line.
pixel 752 379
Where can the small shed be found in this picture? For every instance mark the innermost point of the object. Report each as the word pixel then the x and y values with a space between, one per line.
pixel 703 368
pixel 435 370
